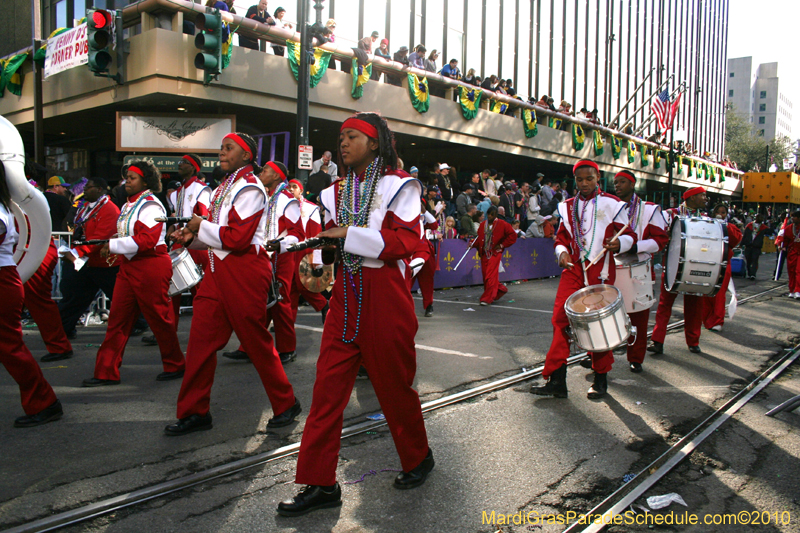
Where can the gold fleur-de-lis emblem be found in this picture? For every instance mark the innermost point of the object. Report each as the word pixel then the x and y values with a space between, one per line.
pixel 535 256
pixel 477 259
pixel 448 259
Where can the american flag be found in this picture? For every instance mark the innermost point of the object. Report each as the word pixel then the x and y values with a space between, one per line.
pixel 664 110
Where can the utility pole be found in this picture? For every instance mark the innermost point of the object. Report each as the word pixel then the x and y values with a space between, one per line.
pixel 38 108
pixel 303 82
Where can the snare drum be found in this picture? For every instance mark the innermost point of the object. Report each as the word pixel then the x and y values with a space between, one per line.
pixel 185 272
pixel 598 319
pixel 696 256
pixel 635 282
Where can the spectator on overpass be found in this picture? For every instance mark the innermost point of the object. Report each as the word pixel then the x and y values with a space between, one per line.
pixel 260 14
pixel 279 23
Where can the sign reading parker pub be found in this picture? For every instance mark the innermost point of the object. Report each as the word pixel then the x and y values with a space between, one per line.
pixel 158 132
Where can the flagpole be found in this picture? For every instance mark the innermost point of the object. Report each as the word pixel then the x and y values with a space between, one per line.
pixel 671 161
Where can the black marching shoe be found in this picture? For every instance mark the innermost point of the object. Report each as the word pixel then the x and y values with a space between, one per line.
pixel 415 478
pixel 429 311
pixel 362 373
pixel 556 386
pixel 96 382
pixel 656 348
pixel 286 417
pixel 169 376
pixel 599 388
pixel 695 349
pixel 586 363
pixel 636 368
pixel 190 424
pixel 48 414
pixel 287 357
pixel 310 498
pixel 324 313
pixel 149 340
pixel 56 356
pixel 236 355
pixel 72 335
pixel 137 331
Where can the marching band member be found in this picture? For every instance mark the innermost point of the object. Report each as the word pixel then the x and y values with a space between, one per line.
pixel 646 220
pixel 284 229
pixel 312 226
pixel 142 282
pixel 494 236
pixel 192 198
pixel 38 399
pixel 425 261
pixel 789 240
pixel 713 311
pixel 374 211
pixel 588 223
pixel 234 292
pixel 694 200
pixel 83 270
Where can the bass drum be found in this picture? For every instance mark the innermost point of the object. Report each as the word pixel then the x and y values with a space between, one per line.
pixel 695 262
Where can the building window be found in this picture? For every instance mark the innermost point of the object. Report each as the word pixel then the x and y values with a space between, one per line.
pixel 730 93
pixel 763 94
pixel 731 75
pixel 762 120
pixel 760 133
pixel 762 107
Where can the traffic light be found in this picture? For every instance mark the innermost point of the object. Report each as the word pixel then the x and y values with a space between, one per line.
pixel 209 40
pixel 98 37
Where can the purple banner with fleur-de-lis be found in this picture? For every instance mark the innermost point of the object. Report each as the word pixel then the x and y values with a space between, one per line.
pixel 526 259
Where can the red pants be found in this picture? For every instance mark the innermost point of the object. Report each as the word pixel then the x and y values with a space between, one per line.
pixel 281 313
pixel 385 346
pixel 691 314
pixel 142 286
pixel 425 280
pixel 572 281
pixel 493 290
pixel 315 299
pixel 44 311
pixel 637 350
pixel 201 260
pixel 713 307
pixel 227 302
pixel 793 268
pixel 35 392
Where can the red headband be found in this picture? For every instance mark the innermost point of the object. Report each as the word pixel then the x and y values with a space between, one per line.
pixel 277 169
pixel 238 140
pixel 136 170
pixel 691 192
pixel 192 162
pixel 297 183
pixel 627 174
pixel 364 127
pixel 585 163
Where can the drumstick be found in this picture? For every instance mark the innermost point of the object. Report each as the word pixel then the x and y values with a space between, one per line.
pixel 601 254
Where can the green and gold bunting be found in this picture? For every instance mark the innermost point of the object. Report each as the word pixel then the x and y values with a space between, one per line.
pixel 616 147
pixel 470 100
pixel 529 123
pixel 361 75
pixel 578 137
pixel 319 67
pixel 721 173
pixel 598 142
pixel 9 77
pixel 709 170
pixel 496 106
pixel 645 155
pixel 418 91
pixel 556 123
pixel 680 164
pixel 227 47
pixel 40 54
pixel 631 152
pixel 690 171
pixel 657 159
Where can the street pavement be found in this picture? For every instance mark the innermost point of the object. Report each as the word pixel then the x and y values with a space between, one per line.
pixel 505 452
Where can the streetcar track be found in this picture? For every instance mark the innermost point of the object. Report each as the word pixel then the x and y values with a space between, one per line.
pixel 139 496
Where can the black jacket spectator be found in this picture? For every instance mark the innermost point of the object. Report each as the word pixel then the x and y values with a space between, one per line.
pixel 259 16
pixel 59 207
pixel 316 184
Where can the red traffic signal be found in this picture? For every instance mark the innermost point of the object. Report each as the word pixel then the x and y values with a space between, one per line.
pixel 101 19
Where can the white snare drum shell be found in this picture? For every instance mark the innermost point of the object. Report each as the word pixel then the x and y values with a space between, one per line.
pixel 635 281
pixel 598 318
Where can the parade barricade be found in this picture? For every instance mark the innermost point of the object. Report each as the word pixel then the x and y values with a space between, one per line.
pixel 526 259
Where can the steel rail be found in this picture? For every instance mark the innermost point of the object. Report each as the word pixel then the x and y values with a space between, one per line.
pixel 109 505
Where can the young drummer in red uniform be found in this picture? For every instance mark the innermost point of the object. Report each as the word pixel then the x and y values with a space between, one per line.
pixel 589 221
pixel 233 295
pixel 646 220
pixel 38 399
pixel 283 225
pixel 374 211
pixel 494 236
pixel 789 240
pixel 142 282
pixel 713 311
pixel 694 200
pixel 312 226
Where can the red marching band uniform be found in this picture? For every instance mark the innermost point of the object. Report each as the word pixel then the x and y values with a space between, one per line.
pixel 646 220
pixel 193 197
pixel 142 285
pixel 598 218
pixel 425 260
pixel 312 225
pixel 789 239
pixel 501 236
pixel 233 295
pixel 713 307
pixel 40 304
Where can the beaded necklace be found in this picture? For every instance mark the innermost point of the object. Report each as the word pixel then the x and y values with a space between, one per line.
pixel 180 193
pixel 128 210
pixel 272 212
pixel 353 209
pixel 220 193
pixel 83 216
pixel 633 212
pixel 577 224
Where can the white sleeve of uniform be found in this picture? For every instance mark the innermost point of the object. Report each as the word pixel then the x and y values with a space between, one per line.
pixel 172 199
pixel 560 248
pixel 650 246
pixel 292 214
pixel 247 202
pixel 204 198
pixel 625 241
pixel 147 216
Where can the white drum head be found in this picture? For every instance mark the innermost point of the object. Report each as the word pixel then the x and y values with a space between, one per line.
pixel 593 298
pixel 673 254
